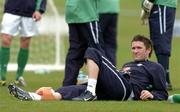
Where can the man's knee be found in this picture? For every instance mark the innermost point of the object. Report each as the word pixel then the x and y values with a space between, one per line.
pixel 25 42
pixel 6 40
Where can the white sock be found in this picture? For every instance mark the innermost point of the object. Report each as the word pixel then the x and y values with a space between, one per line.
pixel 92 86
pixel 35 96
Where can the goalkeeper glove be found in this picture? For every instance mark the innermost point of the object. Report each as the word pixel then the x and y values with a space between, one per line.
pixel 144 17
pixel 146 9
pixel 147 5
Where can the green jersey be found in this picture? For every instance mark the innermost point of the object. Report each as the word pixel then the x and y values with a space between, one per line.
pixel 169 3
pixel 109 6
pixel 38 4
pixel 81 11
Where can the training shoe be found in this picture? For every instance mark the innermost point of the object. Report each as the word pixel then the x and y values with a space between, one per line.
pixel 86 96
pixel 2 83
pixel 19 93
pixel 20 82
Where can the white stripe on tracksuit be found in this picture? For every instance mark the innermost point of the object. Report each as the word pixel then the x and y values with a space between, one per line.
pixel 95 34
pixel 162 20
pixel 106 62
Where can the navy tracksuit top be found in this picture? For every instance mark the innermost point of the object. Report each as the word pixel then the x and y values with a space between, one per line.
pixel 147 75
pixel 23 7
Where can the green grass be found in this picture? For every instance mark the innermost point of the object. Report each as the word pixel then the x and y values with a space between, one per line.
pixel 9 103
pixel 129 25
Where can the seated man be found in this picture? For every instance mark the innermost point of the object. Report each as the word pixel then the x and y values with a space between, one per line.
pixel 140 79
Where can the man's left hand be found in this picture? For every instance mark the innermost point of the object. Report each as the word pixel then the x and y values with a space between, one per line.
pixel 36 16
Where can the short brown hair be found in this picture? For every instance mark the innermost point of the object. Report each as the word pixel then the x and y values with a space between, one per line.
pixel 147 42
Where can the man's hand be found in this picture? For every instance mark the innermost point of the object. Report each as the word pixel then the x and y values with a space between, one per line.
pixel 36 16
pixel 125 69
pixel 144 17
pixel 146 95
pixel 147 5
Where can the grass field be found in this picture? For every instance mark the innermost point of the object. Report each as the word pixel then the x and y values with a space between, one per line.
pixel 129 25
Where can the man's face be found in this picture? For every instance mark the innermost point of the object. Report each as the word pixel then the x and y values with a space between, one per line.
pixel 139 51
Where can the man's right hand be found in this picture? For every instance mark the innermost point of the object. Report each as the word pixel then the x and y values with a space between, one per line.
pixel 146 95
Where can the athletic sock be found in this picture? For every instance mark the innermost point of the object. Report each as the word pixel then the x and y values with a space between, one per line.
pixel 92 86
pixel 35 96
pixel 167 76
pixel 4 59
pixel 174 98
pixel 22 61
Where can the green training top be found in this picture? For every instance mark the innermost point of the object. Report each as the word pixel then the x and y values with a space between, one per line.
pixel 81 11
pixel 168 3
pixel 38 3
pixel 109 6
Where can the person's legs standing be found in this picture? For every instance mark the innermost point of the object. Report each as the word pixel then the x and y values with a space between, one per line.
pixel 27 31
pixel 82 35
pixel 74 58
pixel 22 60
pixel 161 29
pixel 4 56
pixel 9 29
pixel 108 26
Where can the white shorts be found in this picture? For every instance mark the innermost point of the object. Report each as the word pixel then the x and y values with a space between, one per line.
pixel 14 24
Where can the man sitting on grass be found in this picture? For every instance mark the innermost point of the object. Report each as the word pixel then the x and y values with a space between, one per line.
pixel 140 79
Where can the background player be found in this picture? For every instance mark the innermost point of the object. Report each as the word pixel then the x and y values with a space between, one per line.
pixel 19 16
pixel 82 19
pixel 108 20
pixel 161 15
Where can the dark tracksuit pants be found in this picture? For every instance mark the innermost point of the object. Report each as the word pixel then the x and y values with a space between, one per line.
pixel 161 24
pixel 111 84
pixel 108 28
pixel 81 36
